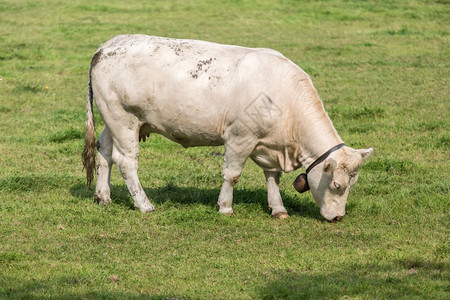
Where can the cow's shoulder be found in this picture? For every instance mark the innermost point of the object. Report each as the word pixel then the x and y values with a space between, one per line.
pixel 270 51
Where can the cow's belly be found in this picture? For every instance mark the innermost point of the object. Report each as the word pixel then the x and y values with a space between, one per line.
pixel 192 138
pixel 184 120
pixel 186 129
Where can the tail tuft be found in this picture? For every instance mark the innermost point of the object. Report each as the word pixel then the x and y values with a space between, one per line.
pixel 89 138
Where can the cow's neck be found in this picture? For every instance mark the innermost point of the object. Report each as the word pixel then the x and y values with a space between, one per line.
pixel 316 133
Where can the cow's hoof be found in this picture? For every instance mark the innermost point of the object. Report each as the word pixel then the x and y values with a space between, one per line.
pixel 102 202
pixel 145 208
pixel 228 211
pixel 280 215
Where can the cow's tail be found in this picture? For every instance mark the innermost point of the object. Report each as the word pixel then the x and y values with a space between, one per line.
pixel 89 137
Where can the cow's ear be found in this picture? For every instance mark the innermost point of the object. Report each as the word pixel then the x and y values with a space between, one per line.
pixel 365 153
pixel 329 165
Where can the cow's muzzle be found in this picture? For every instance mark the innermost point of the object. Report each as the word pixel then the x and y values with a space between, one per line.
pixel 337 219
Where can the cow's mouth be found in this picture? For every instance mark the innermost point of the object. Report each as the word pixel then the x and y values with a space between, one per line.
pixel 336 219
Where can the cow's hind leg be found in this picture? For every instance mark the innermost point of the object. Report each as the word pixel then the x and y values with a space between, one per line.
pixel 274 196
pixel 104 163
pixel 125 156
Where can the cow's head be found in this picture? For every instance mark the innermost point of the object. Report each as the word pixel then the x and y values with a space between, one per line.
pixel 331 180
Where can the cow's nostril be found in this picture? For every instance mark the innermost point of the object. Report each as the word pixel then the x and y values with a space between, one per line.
pixel 338 218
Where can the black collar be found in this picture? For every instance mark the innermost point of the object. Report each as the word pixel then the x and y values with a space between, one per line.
pixel 324 156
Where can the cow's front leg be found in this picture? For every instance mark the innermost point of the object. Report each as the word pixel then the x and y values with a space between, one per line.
pixel 274 196
pixel 232 168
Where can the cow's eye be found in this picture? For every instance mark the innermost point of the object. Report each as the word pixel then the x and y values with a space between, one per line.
pixel 353 177
pixel 336 185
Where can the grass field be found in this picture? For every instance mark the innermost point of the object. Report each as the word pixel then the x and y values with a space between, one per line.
pixel 382 69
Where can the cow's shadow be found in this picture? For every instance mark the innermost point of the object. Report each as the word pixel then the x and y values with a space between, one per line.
pixel 296 205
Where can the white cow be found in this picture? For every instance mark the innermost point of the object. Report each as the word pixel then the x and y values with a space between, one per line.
pixel 256 102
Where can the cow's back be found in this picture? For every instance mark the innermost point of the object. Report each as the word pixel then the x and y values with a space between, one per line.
pixel 187 90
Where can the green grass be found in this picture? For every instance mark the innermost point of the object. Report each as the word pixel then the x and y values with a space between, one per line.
pixel 382 70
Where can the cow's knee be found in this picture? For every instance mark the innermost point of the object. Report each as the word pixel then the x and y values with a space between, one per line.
pixel 233 179
pixel 232 174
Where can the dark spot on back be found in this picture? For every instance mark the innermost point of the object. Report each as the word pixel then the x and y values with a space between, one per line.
pixel 206 62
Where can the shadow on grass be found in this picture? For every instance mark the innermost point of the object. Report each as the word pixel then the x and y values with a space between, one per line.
pixel 34 182
pixel 372 281
pixel 58 288
pixel 171 193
